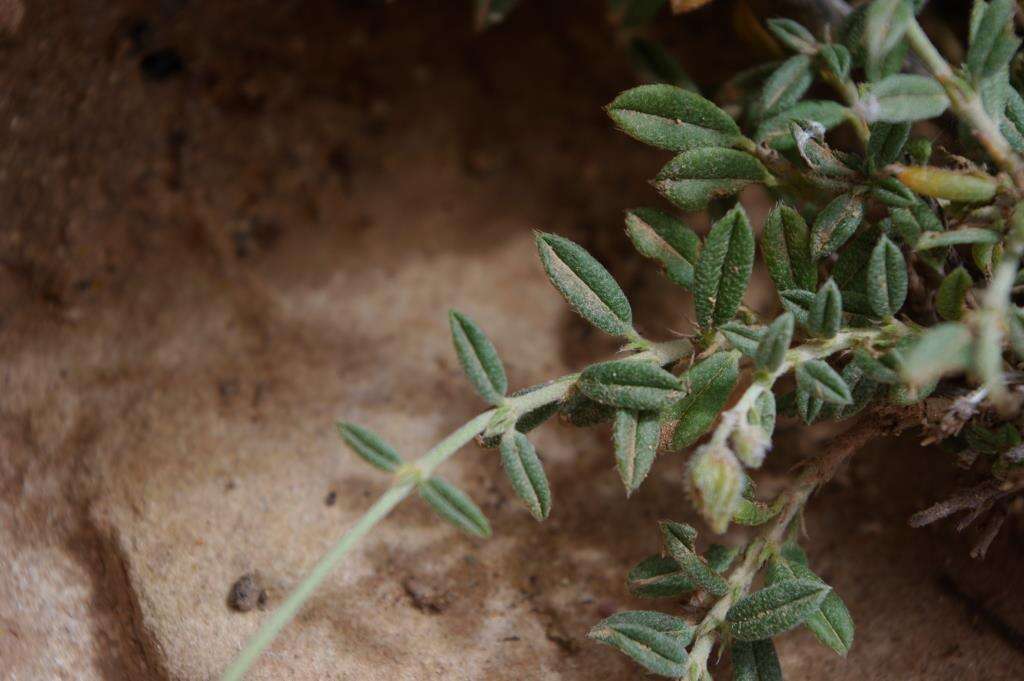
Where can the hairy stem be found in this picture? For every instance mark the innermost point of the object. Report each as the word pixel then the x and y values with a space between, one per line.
pixel 405 483
pixel 967 105
pixel 770 540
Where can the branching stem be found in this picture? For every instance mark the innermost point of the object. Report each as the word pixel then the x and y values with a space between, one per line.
pixel 405 483
pixel 967 105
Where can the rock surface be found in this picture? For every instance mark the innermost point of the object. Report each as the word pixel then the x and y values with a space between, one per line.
pixel 204 267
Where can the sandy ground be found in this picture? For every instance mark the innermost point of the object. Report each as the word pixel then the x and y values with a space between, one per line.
pixel 226 225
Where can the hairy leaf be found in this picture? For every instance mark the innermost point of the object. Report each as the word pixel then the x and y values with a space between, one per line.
pixel 723 269
pixel 655 641
pixel 755 661
pixel 798 303
pixel 777 133
pixel 478 358
pixel 694 178
pixel 742 337
pixel 586 285
pixel 826 313
pixel 793 35
pixel 993 42
pixel 949 301
pixel 658 577
pixel 884 27
pixel 831 623
pixel 886 142
pixel 707 387
pixel 887 279
pixel 904 98
pixel 664 238
pixel 671 118
pixel 629 385
pixel 786 247
pixel 954 185
pixel 784 87
pixel 821 381
pixel 370 447
pixel 835 224
pixel 695 567
pixel 775 609
pixel 525 472
pixel 453 505
pixel 635 435
pixel 771 351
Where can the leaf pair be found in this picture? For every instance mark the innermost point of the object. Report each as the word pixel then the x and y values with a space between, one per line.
pixel 830 621
pixel 775 609
pixel 654 640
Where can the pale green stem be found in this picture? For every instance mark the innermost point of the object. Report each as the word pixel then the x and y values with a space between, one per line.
pixel 405 482
pixel 967 105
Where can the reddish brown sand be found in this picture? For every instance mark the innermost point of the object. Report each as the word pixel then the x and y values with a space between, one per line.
pixel 201 269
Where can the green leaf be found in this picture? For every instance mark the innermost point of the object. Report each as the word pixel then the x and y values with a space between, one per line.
pixel 786 248
pixel 742 337
pixel 453 505
pixel 964 235
pixel 635 436
pixel 720 557
pixel 784 87
pixel 793 35
pixel 723 269
pixel 664 238
pixel 525 472
pixel 755 661
pixel 775 609
pixel 671 118
pixel 694 178
pixel 777 133
pixel 835 224
pixel 586 285
pixel 874 368
pixel 950 300
pixel 478 358
pixel 837 60
pixel 826 313
pixel 886 142
pixel 808 407
pixel 750 512
pixel 629 385
pixel 798 303
pixel 887 279
pixel 762 414
pixel 681 532
pixel 658 577
pixel 708 385
pixel 993 42
pixel 695 567
pixel 369 447
pixel 904 98
pixel 943 349
pixel 892 192
pixel 830 623
pixel 862 388
pixel 821 381
pixel 771 351
pixel 884 27
pixel 655 641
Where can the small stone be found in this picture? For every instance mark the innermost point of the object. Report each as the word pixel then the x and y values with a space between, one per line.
pixel 247 593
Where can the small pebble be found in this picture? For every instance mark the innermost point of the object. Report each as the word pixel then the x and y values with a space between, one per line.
pixel 246 594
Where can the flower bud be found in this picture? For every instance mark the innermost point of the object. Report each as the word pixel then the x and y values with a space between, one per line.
pixel 715 483
pixel 750 444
